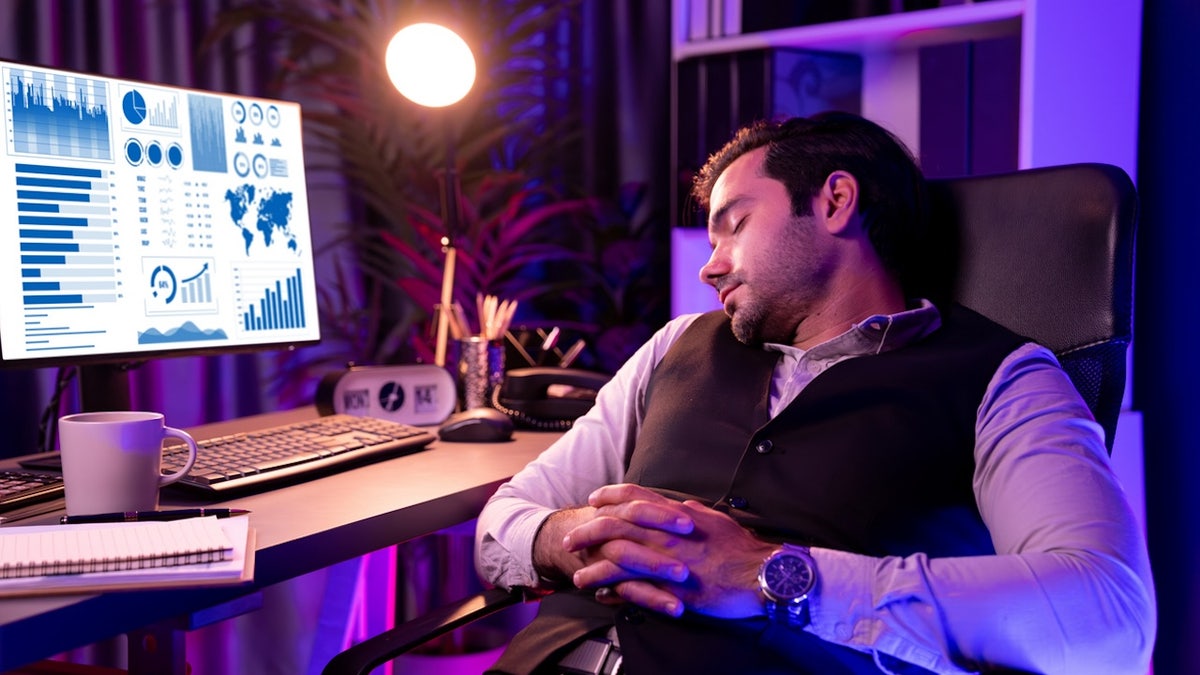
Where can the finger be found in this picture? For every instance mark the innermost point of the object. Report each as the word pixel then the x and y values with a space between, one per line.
pixel 624 492
pixel 669 517
pixel 649 596
pixel 603 529
pixel 599 573
pixel 697 509
pixel 622 560
pixel 643 507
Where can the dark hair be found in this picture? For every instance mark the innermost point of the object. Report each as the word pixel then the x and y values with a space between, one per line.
pixel 803 151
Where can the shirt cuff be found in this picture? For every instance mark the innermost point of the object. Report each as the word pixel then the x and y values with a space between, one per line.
pixel 511 563
pixel 844 610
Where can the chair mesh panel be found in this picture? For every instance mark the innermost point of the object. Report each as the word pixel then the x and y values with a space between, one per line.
pixel 1098 372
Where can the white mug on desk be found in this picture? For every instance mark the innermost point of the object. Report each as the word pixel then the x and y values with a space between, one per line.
pixel 112 461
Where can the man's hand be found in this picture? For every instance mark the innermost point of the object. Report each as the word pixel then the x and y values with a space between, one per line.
pixel 553 562
pixel 558 562
pixel 666 555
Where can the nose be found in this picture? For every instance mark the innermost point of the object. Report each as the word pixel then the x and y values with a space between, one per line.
pixel 716 267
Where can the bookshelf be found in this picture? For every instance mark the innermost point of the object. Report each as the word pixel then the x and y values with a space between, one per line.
pixel 1079 65
pixel 1078 68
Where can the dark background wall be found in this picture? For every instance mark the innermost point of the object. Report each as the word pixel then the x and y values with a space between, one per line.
pixel 1166 322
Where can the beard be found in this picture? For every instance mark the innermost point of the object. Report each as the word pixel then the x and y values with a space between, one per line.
pixel 746 318
pixel 747 326
pixel 752 325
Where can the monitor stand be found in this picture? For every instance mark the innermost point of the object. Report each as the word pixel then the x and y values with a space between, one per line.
pixel 101 387
pixel 104 386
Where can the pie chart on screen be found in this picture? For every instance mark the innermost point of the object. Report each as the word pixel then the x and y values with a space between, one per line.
pixel 134 107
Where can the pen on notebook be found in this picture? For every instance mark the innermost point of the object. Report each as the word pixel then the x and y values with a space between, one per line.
pixel 139 516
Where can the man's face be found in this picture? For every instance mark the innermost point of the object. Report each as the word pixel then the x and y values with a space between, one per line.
pixel 771 269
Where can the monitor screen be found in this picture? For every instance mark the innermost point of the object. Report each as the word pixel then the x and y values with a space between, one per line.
pixel 147 220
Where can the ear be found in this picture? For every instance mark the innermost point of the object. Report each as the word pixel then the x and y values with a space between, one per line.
pixel 837 202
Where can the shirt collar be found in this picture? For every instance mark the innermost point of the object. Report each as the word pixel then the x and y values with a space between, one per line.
pixel 873 335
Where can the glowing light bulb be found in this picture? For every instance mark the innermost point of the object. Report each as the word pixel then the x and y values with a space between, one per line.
pixel 430 65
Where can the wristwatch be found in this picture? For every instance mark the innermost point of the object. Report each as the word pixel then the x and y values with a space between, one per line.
pixel 786 578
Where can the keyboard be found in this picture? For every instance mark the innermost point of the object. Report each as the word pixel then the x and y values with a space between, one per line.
pixel 19 489
pixel 291 452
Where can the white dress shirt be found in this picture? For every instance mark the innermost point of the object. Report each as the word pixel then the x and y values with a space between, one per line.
pixel 1068 591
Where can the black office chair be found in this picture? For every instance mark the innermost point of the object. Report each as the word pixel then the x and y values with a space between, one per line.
pixel 1046 252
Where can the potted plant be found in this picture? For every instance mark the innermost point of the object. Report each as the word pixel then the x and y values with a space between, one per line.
pixel 523 236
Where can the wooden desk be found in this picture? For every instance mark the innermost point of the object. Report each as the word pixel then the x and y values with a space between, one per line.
pixel 301 528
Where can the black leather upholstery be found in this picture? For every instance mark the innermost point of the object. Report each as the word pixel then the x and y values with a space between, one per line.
pixel 1046 252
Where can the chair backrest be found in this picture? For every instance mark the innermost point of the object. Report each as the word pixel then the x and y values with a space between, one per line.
pixel 1048 253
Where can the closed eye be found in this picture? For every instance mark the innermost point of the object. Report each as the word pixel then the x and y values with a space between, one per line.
pixel 734 229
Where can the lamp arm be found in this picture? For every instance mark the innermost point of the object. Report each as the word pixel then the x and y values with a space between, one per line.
pixel 450 220
pixel 443 325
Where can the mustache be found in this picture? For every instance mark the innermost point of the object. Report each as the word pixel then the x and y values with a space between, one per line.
pixel 725 282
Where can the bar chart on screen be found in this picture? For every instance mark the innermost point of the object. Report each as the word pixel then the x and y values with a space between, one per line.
pixel 64 223
pixel 67 252
pixel 270 297
pixel 57 115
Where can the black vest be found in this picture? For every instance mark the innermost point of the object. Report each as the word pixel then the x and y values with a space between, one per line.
pixel 875 456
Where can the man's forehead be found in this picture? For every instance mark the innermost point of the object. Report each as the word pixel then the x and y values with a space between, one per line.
pixel 741 170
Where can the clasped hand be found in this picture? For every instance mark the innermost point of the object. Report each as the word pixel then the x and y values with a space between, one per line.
pixel 664 555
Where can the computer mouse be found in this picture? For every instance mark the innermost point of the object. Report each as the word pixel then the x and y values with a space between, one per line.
pixel 476 425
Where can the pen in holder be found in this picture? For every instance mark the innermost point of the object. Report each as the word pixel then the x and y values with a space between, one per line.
pixel 481 357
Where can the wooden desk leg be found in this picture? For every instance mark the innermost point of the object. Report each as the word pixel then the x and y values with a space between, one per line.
pixel 159 648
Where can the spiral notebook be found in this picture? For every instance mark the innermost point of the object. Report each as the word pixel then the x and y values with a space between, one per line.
pixel 113 556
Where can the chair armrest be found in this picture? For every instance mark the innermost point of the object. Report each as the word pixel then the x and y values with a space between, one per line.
pixel 366 655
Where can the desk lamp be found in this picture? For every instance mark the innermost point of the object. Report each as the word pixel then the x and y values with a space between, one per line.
pixel 432 66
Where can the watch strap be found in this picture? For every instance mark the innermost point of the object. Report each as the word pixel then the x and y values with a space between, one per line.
pixel 795 615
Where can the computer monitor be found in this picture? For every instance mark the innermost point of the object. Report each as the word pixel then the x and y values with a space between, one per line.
pixel 142 220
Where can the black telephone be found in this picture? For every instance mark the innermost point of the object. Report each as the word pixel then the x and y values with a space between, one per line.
pixel 547 398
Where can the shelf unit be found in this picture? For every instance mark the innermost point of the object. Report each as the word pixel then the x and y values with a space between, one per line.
pixel 889 46
pixel 1078 100
pixel 886 33
pixel 1079 68
pixel 1079 65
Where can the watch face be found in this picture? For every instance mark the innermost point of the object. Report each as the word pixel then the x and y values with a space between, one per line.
pixel 788 576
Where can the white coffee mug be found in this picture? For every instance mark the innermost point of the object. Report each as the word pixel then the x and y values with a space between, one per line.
pixel 112 461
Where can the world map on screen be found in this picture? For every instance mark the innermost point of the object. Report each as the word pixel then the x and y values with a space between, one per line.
pixel 263 214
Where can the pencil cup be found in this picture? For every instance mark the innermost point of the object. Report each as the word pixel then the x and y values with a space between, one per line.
pixel 112 461
pixel 480 370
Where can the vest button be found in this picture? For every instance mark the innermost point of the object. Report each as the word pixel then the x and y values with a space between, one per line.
pixel 631 615
pixel 738 502
pixel 763 447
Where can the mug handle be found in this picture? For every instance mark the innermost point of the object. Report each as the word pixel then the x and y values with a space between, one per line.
pixel 167 479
